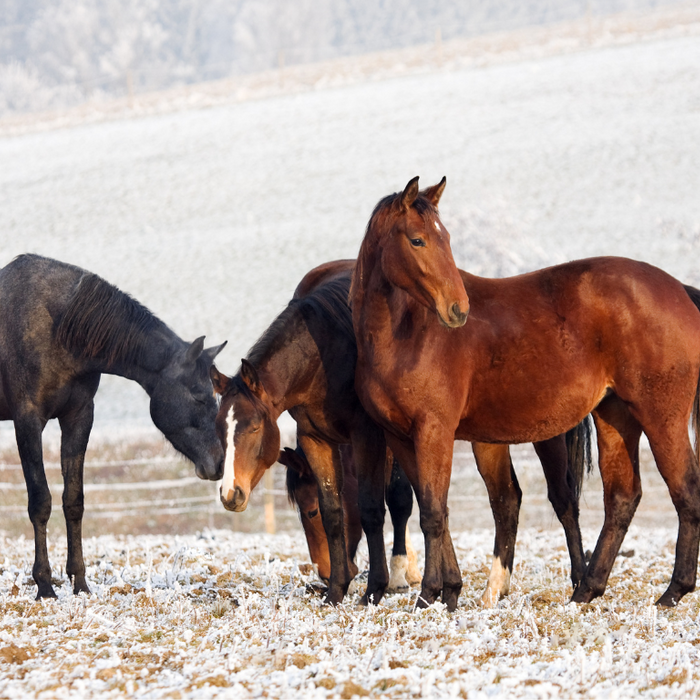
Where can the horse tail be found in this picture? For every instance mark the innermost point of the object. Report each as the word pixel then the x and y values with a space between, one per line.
pixel 578 446
pixel 694 295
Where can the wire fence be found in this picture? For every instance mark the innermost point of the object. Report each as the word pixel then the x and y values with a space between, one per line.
pixel 150 494
pixel 160 494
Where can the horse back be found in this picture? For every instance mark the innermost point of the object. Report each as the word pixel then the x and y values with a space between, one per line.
pixel 33 293
pixel 555 341
pixel 322 274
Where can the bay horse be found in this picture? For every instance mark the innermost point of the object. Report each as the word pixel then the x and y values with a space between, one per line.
pixel 302 489
pixel 61 328
pixel 305 363
pixel 443 354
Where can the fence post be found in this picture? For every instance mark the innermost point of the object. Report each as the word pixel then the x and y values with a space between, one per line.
pixel 438 46
pixel 269 500
pixel 130 87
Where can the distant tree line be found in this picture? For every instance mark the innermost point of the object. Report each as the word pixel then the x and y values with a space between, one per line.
pixel 54 53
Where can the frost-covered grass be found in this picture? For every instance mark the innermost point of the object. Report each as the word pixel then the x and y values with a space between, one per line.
pixel 230 615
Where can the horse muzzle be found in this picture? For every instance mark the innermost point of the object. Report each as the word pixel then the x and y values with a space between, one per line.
pixel 455 317
pixel 235 500
pixel 210 470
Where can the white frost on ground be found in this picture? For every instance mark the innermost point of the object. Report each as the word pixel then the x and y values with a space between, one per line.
pixel 230 615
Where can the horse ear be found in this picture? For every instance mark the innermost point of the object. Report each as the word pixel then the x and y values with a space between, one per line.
pixel 408 196
pixel 433 194
pixel 293 460
pixel 219 380
pixel 250 378
pixel 288 457
pixel 211 353
pixel 195 350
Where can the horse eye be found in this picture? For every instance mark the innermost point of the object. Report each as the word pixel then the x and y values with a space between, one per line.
pixel 417 242
pixel 312 513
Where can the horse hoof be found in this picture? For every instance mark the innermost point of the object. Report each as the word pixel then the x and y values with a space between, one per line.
pixel 450 598
pixel 489 599
pixel 425 600
pixel 666 602
pixel 80 585
pixel 583 595
pixel 374 598
pixel 46 591
pixel 669 599
pixel 333 598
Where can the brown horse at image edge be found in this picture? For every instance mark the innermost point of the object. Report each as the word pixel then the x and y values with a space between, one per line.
pixel 443 354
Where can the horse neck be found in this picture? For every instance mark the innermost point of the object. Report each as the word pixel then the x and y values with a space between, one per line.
pixel 286 371
pixel 379 307
pixel 145 368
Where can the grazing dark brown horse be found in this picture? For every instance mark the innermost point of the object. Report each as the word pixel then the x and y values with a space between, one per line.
pixel 302 489
pixel 61 328
pixel 445 354
pixel 305 363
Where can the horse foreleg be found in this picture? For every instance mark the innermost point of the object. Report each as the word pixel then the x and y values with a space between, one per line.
pixel 618 449
pixel 369 447
pixel 429 467
pixel 496 469
pixel 561 491
pixel 399 500
pixel 325 464
pixel 28 431
pixel 75 432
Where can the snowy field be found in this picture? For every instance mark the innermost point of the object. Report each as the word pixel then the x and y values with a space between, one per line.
pixel 211 216
pixel 232 616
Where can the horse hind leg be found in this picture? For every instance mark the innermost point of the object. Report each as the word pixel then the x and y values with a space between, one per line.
pixel 618 447
pixel 562 492
pixel 75 432
pixel 369 449
pixel 28 431
pixel 496 469
pixel 399 500
pixel 678 466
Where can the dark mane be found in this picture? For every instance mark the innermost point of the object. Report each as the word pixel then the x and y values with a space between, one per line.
pixel 102 322
pixel 329 301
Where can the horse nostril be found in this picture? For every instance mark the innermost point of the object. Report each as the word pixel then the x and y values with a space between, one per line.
pixel 457 315
pixel 238 497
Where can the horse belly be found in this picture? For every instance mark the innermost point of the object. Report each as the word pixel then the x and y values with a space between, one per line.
pixel 527 413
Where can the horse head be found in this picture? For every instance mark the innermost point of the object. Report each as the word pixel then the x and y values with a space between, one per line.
pixel 247 431
pixel 183 407
pixel 414 252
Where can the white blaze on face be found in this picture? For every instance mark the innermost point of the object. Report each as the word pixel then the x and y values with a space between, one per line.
pixel 437 225
pixel 229 475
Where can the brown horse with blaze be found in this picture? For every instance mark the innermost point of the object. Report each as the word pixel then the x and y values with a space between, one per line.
pixel 443 354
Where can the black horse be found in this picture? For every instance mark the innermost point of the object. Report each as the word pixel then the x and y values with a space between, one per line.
pixel 60 329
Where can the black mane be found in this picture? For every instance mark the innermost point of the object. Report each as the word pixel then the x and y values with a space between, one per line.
pixel 329 301
pixel 102 322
